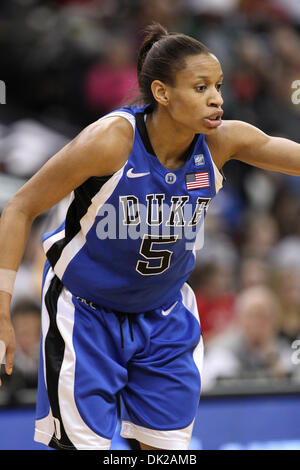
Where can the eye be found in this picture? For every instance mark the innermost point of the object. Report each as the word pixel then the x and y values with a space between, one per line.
pixel 219 86
pixel 200 88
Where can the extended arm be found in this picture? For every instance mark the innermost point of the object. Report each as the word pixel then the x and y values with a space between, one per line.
pixel 100 149
pixel 250 145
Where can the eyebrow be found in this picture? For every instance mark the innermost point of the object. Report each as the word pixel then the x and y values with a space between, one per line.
pixel 206 76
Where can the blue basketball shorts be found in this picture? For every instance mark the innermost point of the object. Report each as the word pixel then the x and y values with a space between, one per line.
pixel 95 362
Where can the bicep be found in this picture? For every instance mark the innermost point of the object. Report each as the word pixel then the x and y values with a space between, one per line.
pixel 91 153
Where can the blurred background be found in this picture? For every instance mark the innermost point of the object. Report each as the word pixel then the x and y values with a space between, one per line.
pixel 65 63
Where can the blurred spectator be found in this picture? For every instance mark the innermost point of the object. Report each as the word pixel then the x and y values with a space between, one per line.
pixel 213 287
pixel 218 7
pixel 218 245
pixel 286 253
pixel 286 209
pixel 259 235
pixel 167 13
pixel 253 271
pixel 252 349
pixel 261 189
pixel 27 325
pixel 26 320
pixel 286 283
pixel 263 10
pixel 109 82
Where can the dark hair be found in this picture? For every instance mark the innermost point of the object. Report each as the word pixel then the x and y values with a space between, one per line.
pixel 161 55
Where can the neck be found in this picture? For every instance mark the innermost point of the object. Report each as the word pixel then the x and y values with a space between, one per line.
pixel 169 140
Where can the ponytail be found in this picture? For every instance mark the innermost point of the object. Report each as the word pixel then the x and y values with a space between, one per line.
pixel 154 33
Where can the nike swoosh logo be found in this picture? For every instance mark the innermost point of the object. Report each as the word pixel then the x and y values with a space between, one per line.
pixel 136 175
pixel 166 312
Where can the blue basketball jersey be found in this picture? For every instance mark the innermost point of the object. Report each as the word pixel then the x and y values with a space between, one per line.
pixel 128 239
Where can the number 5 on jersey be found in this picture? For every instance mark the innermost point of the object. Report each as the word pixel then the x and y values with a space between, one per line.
pixel 147 251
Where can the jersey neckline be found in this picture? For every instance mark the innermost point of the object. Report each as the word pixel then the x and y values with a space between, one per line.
pixel 143 133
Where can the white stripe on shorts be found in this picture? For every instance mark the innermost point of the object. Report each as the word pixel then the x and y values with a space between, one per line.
pixel 189 301
pixel 78 432
pixel 44 428
pixel 82 437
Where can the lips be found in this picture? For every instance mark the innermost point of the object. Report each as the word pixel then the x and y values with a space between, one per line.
pixel 214 120
pixel 216 115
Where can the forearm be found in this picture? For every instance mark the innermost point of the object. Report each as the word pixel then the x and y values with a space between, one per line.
pixel 286 155
pixel 14 230
pixel 252 146
pixel 278 154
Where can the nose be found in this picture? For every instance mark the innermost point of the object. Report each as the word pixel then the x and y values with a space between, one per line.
pixel 215 99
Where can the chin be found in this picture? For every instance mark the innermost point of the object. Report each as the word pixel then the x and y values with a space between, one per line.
pixel 207 131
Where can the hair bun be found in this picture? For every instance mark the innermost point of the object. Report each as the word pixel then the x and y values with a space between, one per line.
pixel 154 33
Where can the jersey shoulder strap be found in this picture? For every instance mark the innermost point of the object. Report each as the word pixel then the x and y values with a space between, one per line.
pixel 126 112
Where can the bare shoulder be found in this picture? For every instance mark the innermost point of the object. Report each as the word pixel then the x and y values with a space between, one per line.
pixel 107 144
pixel 230 138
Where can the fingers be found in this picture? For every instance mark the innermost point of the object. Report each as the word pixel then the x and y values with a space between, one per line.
pixel 7 359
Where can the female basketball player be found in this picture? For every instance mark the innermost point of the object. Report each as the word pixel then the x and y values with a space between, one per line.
pixel 118 319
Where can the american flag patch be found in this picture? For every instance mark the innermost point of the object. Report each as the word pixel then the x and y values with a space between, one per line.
pixel 197 180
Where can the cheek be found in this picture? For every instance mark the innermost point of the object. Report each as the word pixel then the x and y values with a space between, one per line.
pixel 184 106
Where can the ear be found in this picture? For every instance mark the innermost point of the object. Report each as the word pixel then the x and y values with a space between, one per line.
pixel 160 92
